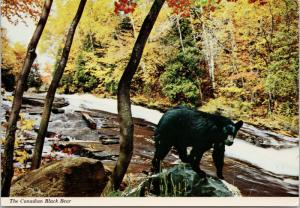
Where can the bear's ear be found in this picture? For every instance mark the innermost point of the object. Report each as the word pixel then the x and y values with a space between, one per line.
pixel 238 125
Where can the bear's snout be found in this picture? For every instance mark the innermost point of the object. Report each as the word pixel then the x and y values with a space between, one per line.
pixel 229 140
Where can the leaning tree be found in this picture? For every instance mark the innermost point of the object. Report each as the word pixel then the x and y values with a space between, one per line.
pixel 124 105
pixel 36 160
pixel 7 163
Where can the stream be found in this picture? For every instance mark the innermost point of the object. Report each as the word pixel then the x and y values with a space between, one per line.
pixel 260 162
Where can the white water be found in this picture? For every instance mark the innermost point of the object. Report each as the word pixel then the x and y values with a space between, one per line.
pixel 284 161
pixel 88 101
pixel 266 134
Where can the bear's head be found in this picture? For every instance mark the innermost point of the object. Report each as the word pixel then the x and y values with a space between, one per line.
pixel 231 131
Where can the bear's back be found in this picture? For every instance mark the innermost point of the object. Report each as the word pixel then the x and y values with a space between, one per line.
pixel 189 123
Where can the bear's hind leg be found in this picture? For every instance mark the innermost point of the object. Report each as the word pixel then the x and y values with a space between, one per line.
pixel 182 154
pixel 195 158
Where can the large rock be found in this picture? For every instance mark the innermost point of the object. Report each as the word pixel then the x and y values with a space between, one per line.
pixel 73 177
pixel 38 100
pixel 181 180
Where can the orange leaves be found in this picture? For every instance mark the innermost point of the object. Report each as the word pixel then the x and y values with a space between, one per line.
pixel 14 10
pixel 258 87
pixel 250 76
pixel 124 6
pixel 70 149
pixel 212 5
pixel 261 2
pixel 180 7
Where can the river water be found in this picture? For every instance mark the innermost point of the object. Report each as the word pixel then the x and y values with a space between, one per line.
pixel 283 161
pixel 264 166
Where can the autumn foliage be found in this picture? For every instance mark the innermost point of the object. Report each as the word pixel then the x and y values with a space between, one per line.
pixel 126 6
pixel 15 10
pixel 261 2
pixel 180 7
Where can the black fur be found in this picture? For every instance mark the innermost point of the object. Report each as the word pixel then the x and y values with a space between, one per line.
pixel 184 127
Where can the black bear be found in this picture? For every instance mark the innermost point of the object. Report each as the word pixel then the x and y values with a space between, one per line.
pixel 184 127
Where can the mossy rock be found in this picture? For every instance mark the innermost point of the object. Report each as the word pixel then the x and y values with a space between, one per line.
pixel 181 180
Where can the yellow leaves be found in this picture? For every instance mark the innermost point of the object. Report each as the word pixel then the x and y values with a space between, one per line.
pixel 26 124
pixel 12 56
pixel 100 73
pixel 21 156
pixel 2 141
pixel 17 142
pixel 231 90
pixel 10 98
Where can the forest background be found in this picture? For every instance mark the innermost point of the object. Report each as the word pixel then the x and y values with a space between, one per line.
pixel 235 57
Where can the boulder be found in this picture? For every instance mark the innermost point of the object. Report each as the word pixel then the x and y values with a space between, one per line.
pixel 38 100
pixel 181 180
pixel 70 177
pixel 32 90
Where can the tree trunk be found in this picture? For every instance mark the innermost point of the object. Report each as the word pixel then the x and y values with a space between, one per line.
pixel 7 171
pixel 209 56
pixel 270 103
pixel 133 26
pixel 36 160
pixel 212 64
pixel 179 31
pixel 124 105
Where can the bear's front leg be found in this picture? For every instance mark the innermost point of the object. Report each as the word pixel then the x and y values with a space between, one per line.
pixel 161 150
pixel 195 158
pixel 218 158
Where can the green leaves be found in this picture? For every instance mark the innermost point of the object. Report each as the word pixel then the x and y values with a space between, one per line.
pixel 180 82
pixel 85 69
pixel 282 74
